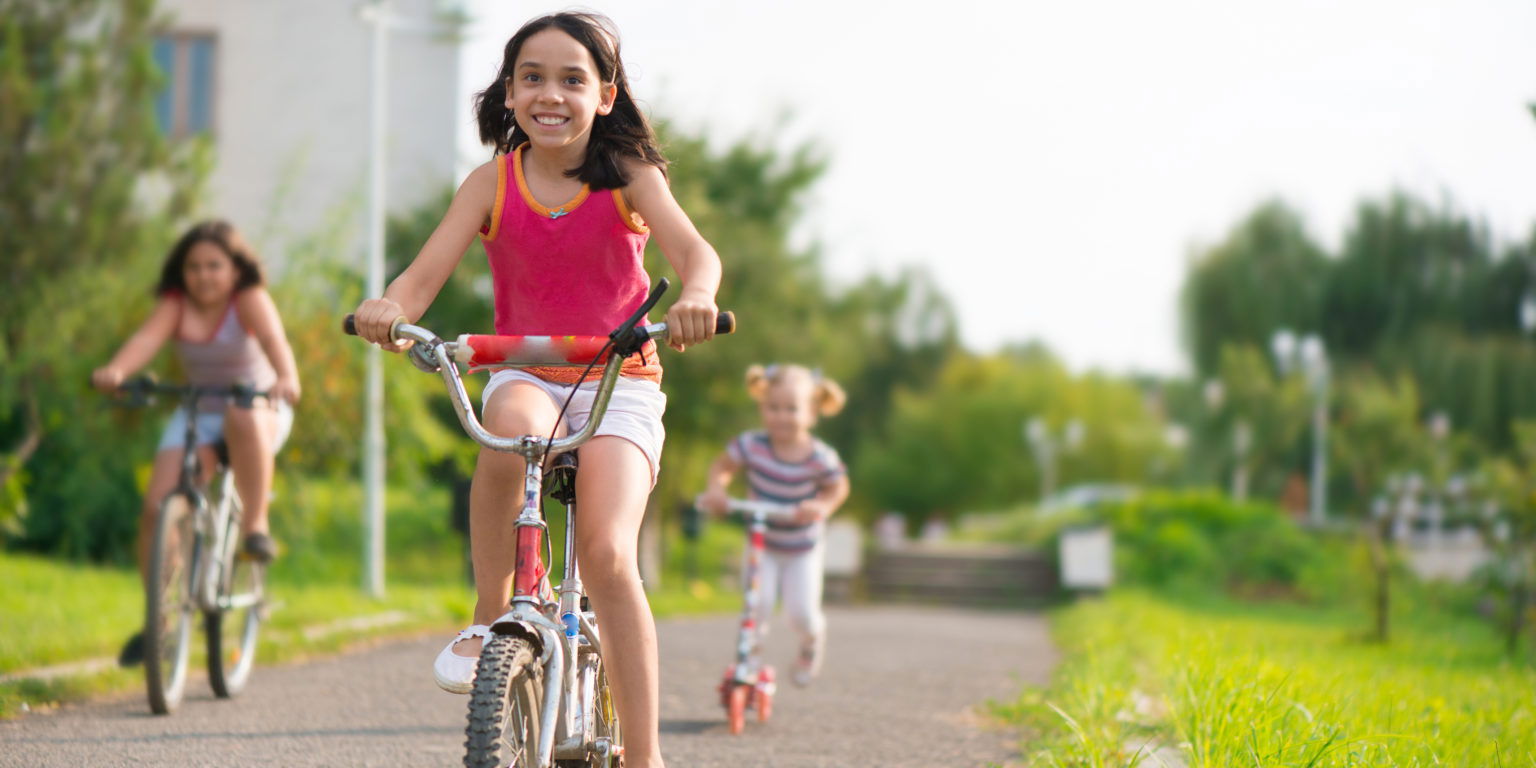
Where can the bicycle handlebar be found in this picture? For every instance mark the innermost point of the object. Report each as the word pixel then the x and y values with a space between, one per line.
pixel 725 322
pixel 768 510
pixel 434 355
pixel 141 388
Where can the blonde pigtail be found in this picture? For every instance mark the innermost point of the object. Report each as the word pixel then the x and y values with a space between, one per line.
pixel 757 382
pixel 830 397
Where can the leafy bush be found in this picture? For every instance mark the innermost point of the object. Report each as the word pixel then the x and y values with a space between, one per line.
pixel 1201 538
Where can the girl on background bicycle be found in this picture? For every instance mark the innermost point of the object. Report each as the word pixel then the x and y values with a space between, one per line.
pixel 564 210
pixel 784 463
pixel 227 331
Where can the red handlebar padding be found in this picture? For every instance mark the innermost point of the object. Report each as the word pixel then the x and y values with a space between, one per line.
pixel 482 351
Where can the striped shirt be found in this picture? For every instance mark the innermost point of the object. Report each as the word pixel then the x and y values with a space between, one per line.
pixel 770 478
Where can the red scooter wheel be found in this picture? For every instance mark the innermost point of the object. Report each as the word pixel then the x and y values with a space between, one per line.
pixel 736 708
pixel 763 701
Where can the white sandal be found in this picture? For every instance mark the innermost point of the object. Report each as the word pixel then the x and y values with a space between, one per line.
pixel 455 673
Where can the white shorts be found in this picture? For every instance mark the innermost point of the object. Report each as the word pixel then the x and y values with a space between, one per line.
pixel 209 427
pixel 634 411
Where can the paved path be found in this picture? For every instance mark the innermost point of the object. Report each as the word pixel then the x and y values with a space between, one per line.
pixel 900 688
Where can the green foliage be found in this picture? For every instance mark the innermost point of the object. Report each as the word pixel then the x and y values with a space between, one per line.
pixel 1415 290
pixel 1378 433
pixel 1204 540
pixel 1273 409
pixel 1263 277
pixel 1510 532
pixel 959 444
pixel 92 195
pixel 870 337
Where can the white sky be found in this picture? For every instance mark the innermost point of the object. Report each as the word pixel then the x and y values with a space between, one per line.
pixel 1053 164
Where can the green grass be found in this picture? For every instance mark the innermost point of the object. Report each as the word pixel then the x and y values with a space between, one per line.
pixel 1225 684
pixel 55 612
pixel 58 612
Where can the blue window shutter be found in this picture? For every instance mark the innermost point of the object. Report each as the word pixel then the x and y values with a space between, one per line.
pixel 165 61
pixel 200 85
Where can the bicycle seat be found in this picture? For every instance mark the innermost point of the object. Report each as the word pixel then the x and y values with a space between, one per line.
pixel 221 452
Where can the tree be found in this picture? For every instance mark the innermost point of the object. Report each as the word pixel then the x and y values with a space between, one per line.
pixel 1379 434
pixel 1247 401
pixel 959 445
pixel 1415 289
pixel 1268 274
pixel 1510 531
pixel 93 190
pixel 872 337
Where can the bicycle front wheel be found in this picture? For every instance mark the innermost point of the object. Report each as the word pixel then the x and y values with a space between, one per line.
pixel 169 603
pixel 231 627
pixel 504 706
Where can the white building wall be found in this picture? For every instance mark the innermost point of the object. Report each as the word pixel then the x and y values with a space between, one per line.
pixel 291 100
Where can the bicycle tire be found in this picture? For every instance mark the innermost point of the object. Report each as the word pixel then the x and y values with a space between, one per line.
pixel 504 706
pixel 231 632
pixel 168 603
pixel 607 725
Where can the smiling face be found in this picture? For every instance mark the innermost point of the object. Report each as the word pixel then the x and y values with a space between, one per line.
pixel 209 274
pixel 787 411
pixel 555 93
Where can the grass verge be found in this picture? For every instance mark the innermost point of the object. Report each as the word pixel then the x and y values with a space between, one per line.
pixel 56 613
pixel 1151 680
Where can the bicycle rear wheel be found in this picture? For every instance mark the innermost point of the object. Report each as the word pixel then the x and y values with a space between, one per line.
pixel 607 725
pixel 504 706
pixel 231 628
pixel 169 603
pixel 607 748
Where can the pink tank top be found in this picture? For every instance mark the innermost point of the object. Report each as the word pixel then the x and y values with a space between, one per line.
pixel 577 269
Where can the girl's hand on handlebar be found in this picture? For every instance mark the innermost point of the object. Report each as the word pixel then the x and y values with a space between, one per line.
pixel 714 501
pixel 286 389
pixel 107 378
pixel 374 317
pixel 691 320
pixel 812 511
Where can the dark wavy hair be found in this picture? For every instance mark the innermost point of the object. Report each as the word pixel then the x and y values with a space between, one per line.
pixel 228 239
pixel 623 132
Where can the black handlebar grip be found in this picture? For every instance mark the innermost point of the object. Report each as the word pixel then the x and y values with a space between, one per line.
pixel 725 322
pixel 349 325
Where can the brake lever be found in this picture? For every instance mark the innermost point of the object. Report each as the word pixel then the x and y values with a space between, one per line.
pixel 628 340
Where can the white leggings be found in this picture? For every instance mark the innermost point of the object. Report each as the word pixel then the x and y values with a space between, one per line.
pixel 794 577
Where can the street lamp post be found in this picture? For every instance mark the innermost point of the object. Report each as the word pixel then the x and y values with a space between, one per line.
pixel 1215 394
pixel 1046 447
pixel 1309 357
pixel 380 20
pixel 376 15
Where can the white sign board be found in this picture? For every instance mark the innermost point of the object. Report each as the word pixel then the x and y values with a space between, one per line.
pixel 1087 558
pixel 844 548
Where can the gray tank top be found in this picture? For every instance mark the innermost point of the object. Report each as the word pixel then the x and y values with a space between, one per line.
pixel 231 356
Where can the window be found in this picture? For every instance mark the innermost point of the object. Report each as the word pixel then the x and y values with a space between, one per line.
pixel 184 106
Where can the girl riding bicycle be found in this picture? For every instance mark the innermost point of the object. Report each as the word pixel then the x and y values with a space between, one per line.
pixel 227 331
pixel 564 210
pixel 784 463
